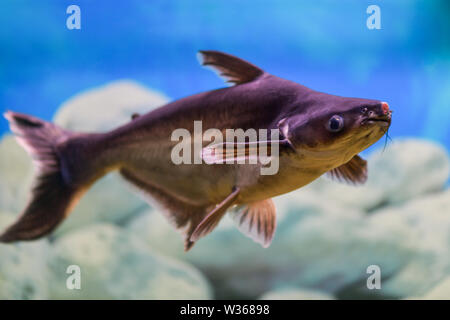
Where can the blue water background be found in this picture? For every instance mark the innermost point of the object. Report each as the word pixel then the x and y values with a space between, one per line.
pixel 323 44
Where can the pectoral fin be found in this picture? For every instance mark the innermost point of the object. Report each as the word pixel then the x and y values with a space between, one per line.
pixel 354 171
pixel 212 219
pixel 257 221
pixel 241 152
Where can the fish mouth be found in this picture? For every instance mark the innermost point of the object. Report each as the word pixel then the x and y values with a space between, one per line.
pixel 383 121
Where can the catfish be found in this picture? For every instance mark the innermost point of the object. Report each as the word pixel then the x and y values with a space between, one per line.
pixel 319 134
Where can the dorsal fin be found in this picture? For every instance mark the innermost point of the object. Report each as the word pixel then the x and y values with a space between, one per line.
pixel 233 69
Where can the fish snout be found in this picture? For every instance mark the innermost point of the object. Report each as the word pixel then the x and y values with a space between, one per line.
pixel 385 108
pixel 386 112
pixel 381 116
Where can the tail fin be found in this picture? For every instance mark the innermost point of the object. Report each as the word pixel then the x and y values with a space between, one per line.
pixel 51 197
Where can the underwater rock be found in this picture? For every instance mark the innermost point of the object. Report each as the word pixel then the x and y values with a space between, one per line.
pixel 410 168
pixel 107 107
pixel 317 245
pixel 428 220
pixel 406 169
pixel 440 292
pixel 99 110
pixel 295 294
pixel 116 265
pixel 15 175
pixel 6 218
pixel 155 231
pixel 23 270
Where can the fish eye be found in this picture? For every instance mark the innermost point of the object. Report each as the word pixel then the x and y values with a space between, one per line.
pixel 364 109
pixel 335 124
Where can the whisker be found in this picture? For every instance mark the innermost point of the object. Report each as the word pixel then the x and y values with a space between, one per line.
pixel 386 139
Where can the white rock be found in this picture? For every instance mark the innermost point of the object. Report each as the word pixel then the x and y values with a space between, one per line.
pixel 116 265
pixel 428 219
pixel 107 107
pixel 440 292
pixel 6 218
pixel 23 270
pixel 295 294
pixel 156 232
pixel 410 168
pixel 317 245
pixel 15 175
pixel 407 168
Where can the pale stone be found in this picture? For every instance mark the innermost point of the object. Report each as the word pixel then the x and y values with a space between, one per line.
pixel 116 265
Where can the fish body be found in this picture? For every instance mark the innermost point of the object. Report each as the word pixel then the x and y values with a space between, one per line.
pixel 320 133
pixel 233 107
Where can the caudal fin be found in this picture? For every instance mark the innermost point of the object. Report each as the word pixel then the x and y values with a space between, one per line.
pixel 51 197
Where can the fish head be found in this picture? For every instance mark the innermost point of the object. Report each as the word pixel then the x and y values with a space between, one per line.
pixel 337 125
